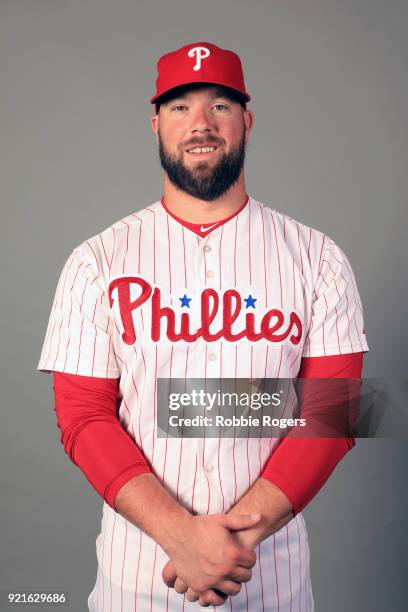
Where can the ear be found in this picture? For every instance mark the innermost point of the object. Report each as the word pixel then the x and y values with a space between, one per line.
pixel 249 122
pixel 154 122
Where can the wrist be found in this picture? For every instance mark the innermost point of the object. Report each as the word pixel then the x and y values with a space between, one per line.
pixel 146 503
pixel 176 531
pixel 271 503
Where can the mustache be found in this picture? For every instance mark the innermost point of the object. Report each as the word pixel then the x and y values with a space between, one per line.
pixel 200 143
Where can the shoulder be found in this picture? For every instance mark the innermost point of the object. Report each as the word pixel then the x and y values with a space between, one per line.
pixel 299 239
pixel 122 226
pixel 100 248
pixel 287 224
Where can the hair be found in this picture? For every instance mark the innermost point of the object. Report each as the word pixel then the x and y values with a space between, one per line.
pixel 227 92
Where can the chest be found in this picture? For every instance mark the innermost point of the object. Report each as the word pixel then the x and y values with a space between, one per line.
pixel 228 304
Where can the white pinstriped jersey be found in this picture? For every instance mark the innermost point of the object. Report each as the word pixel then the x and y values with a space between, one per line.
pixel 296 271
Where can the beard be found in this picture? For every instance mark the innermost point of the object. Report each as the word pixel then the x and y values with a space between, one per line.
pixel 206 186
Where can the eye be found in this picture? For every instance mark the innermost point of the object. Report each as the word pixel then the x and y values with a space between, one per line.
pixel 179 107
pixel 220 106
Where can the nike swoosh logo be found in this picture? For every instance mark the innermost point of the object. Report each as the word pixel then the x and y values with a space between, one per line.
pixel 205 229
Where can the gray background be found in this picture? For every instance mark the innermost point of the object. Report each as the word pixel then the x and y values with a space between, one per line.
pixel 329 147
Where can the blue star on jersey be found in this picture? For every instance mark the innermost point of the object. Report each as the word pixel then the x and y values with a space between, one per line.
pixel 250 301
pixel 185 301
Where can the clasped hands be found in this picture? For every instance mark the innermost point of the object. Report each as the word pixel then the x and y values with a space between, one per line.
pixel 210 556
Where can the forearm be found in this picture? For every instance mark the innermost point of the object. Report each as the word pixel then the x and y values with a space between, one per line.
pixel 92 435
pixel 96 442
pixel 301 465
pixel 268 500
pixel 147 504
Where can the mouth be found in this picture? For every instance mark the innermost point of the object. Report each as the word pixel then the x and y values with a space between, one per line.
pixel 202 152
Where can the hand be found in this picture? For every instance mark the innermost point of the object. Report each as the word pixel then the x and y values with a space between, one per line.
pixel 212 597
pixel 205 555
pixel 215 596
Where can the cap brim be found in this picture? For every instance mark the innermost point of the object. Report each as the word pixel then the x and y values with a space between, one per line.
pixel 245 96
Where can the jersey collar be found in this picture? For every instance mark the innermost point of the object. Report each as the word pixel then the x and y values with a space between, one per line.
pixel 203 229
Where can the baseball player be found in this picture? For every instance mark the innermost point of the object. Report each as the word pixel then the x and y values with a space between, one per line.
pixel 207 282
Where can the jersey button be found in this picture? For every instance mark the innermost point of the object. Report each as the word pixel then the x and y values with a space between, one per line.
pixel 207 248
pixel 209 469
pixel 212 356
pixel 210 274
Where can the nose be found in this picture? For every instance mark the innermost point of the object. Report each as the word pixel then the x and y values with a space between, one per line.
pixel 201 121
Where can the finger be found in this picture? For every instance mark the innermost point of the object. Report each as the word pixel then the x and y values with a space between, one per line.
pixel 191 595
pixel 245 557
pixel 168 574
pixel 212 597
pixel 228 587
pixel 240 574
pixel 235 522
pixel 180 586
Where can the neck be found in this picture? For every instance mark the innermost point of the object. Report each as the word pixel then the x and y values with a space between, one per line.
pixel 194 210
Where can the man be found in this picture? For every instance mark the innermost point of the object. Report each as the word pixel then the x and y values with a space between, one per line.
pixel 205 283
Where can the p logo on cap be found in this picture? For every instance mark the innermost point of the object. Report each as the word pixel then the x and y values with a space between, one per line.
pixel 200 53
pixel 199 62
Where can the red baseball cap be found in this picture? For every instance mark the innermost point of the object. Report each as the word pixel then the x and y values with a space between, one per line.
pixel 199 62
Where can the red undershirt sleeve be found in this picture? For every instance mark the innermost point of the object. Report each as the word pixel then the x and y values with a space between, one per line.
pixel 300 466
pixel 95 441
pixel 92 435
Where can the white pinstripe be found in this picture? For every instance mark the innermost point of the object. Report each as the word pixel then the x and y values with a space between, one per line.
pixel 261 252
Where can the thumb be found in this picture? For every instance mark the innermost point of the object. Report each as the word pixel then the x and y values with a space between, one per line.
pixel 235 522
pixel 168 574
